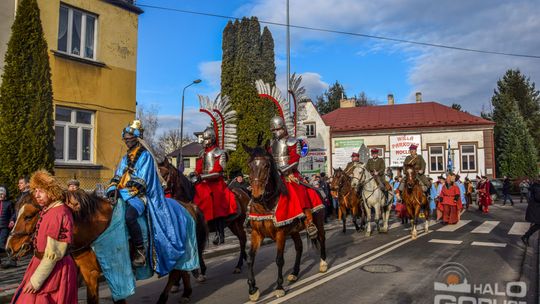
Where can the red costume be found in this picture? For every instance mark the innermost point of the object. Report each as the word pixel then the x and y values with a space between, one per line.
pixel 212 195
pixel 450 203
pixel 61 284
pixel 484 196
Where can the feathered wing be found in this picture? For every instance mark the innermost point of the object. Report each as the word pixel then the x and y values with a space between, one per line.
pixel 298 93
pixel 224 120
pixel 268 92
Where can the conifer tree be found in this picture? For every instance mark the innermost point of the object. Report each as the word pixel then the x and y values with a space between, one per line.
pixel 26 104
pixel 329 101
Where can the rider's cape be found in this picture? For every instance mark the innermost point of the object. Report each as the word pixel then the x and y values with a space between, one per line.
pixel 168 223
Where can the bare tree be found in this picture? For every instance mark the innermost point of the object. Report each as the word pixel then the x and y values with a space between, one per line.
pixel 149 118
pixel 170 141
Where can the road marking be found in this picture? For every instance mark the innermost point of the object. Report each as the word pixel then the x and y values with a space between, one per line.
pixel 488 244
pixel 486 227
pixel 519 228
pixel 452 228
pixel 341 272
pixel 439 241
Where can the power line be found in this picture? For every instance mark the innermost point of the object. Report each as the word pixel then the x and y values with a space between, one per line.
pixel 316 29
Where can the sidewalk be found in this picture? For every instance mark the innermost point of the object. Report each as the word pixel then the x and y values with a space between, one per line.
pixel 10 278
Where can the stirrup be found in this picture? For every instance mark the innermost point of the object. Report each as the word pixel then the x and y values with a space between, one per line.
pixel 312 231
pixel 139 259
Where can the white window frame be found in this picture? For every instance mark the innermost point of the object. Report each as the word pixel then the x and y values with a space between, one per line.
pixel 437 155
pixel 468 155
pixel 314 131
pixel 83 33
pixel 80 127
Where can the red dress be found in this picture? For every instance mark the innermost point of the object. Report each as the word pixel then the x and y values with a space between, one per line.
pixel 484 197
pixel 61 285
pixel 213 196
pixel 451 203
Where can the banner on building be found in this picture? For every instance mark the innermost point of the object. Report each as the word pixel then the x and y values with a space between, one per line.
pixel 399 148
pixel 343 148
pixel 314 162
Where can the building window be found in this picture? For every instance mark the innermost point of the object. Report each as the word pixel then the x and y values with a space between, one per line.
pixel 73 135
pixel 468 157
pixel 187 163
pixel 77 32
pixel 310 130
pixel 436 158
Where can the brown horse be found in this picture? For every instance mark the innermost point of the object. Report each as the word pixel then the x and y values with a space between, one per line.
pixel 414 199
pixel 267 187
pixel 347 196
pixel 92 215
pixel 181 189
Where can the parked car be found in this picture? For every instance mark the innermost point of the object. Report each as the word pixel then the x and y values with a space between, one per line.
pixel 497 184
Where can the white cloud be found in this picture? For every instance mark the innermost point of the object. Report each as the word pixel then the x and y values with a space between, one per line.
pixel 194 121
pixel 210 73
pixel 443 75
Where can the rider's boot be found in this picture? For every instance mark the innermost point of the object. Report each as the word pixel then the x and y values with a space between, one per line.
pixel 135 235
pixel 310 226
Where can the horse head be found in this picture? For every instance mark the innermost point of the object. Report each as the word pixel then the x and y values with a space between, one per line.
pixel 19 242
pixel 410 176
pixel 264 177
pixel 176 183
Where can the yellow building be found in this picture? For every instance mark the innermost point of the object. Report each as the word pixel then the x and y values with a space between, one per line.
pixel 93 57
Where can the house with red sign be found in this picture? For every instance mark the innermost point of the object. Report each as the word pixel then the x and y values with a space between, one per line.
pixel 446 138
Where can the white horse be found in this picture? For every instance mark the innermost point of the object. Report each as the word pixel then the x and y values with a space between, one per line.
pixel 372 197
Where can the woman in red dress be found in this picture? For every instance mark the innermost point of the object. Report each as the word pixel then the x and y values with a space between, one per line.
pixel 449 199
pixel 484 194
pixel 51 276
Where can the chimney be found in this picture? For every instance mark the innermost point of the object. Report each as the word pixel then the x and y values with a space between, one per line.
pixel 418 97
pixel 347 103
pixel 390 99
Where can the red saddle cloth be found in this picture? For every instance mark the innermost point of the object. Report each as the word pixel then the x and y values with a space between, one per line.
pixel 291 206
pixel 215 199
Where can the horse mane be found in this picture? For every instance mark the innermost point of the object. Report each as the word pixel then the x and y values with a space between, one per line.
pixel 89 204
pixel 181 188
pixel 259 151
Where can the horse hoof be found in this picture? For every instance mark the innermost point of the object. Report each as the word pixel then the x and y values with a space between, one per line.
pixel 201 278
pixel 279 293
pixel 175 289
pixel 323 266
pixel 237 270
pixel 292 278
pixel 184 300
pixel 255 296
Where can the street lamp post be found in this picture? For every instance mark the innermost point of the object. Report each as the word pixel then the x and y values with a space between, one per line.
pixel 180 158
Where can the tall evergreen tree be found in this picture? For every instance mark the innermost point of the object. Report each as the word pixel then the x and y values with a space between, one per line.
pixel 26 102
pixel 329 101
pixel 516 152
pixel 244 61
pixel 521 90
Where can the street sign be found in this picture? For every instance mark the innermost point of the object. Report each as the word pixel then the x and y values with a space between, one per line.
pixel 305 148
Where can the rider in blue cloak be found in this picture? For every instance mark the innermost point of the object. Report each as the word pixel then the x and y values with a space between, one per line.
pixel 139 184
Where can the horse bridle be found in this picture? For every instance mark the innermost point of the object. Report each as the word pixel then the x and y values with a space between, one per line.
pixel 263 183
pixel 28 244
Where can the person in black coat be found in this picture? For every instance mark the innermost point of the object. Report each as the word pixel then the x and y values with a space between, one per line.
pixel 533 211
pixel 7 216
pixel 507 185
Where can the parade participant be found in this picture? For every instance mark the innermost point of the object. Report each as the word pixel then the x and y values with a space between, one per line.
pixel 73 185
pixel 449 201
pixel 51 276
pixel 468 192
pixel 533 211
pixel 462 191
pixel 7 213
pixel 216 201
pixel 507 184
pixel 419 164
pixel 139 184
pixel 238 181
pixel 524 190
pixel 24 187
pixel 211 193
pixel 439 185
pixel 355 161
pixel 376 167
pixel 433 194
pixel 484 194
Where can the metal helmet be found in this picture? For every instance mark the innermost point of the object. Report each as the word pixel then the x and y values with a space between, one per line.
pixel 209 137
pixel 278 127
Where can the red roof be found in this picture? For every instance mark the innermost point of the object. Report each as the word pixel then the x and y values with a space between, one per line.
pixel 400 116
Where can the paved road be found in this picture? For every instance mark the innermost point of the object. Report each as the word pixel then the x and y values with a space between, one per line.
pixel 384 268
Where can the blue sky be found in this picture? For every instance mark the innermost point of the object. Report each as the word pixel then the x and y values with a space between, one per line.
pixel 175 48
